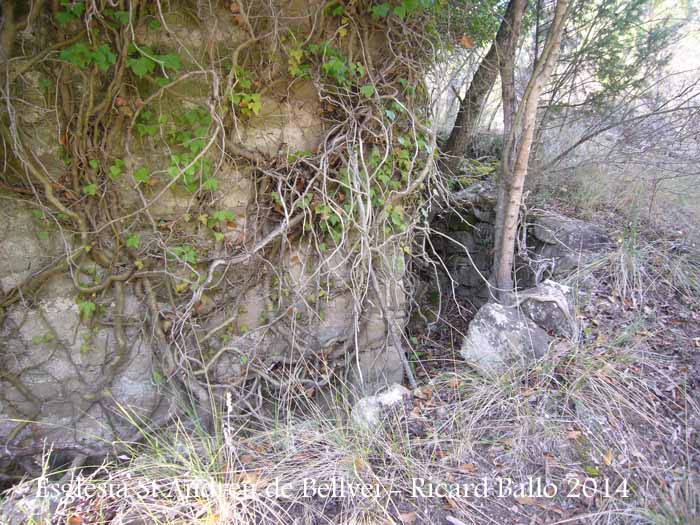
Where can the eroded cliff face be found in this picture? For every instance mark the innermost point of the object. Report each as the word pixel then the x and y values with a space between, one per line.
pixel 196 201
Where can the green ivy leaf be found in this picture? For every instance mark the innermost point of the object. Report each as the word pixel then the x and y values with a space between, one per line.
pixel 397 216
pixel 104 58
pixel 87 309
pixel 221 216
pixel 122 17
pixel 255 103
pixel 211 184
pixel 133 241
pixel 115 171
pixel 367 90
pixel 78 54
pixel 141 66
pixel 186 253
pixel 63 18
pixel 142 175
pixel 170 61
pixel 381 10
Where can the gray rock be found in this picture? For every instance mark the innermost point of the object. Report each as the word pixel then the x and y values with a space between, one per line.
pixel 500 337
pixel 30 503
pixel 549 306
pixel 461 240
pixel 369 412
pixel 572 234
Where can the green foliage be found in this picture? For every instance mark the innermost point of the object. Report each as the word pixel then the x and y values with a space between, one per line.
pixel 249 102
pixel 335 66
pixel 221 216
pixel 187 134
pixel 626 48
pixel 103 57
pixel 297 67
pixel 86 309
pixel 396 217
pixel 121 17
pixel 367 90
pixel 116 170
pixel 337 9
pixel 41 339
pixel 143 61
pixel 90 189
pixel 133 241
pixel 186 253
pixel 405 8
pixel 190 138
pixel 80 55
pixel 193 172
pixel 293 157
pixel 142 175
pixel 147 124
pixel 141 65
pixel 71 11
pixel 330 221
pixel 478 20
pixel 381 10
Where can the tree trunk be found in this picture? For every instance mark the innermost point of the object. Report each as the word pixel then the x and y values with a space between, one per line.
pixel 506 66
pixel 516 153
pixel 470 107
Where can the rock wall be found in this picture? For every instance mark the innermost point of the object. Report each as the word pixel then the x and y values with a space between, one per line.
pixel 552 246
pixel 171 213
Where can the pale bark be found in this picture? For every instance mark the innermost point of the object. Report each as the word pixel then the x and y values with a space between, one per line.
pixel 506 67
pixel 516 153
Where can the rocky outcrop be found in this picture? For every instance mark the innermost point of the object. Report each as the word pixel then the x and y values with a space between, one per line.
pixel 550 306
pixel 500 337
pixel 232 269
pixel 556 245
pixel 562 244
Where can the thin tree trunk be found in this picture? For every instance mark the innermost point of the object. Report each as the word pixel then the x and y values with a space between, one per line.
pixel 470 107
pixel 506 67
pixel 516 153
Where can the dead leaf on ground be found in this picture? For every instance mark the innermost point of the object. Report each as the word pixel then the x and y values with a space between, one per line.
pixel 608 457
pixel 454 382
pixel 468 468
pixel 525 500
pixel 423 392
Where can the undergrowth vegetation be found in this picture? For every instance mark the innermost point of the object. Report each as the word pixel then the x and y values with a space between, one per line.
pixel 585 419
pixel 153 106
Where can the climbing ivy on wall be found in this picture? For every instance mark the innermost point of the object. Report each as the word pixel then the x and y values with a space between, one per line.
pixel 140 115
